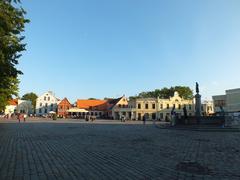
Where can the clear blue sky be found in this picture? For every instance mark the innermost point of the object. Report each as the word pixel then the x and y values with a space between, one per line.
pixel 107 48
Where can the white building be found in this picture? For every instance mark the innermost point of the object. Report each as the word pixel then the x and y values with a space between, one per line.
pixel 230 102
pixel 207 108
pixel 18 106
pixel 11 108
pixel 25 106
pixel 46 103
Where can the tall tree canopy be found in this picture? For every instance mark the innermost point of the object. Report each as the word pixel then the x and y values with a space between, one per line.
pixel 12 24
pixel 30 97
pixel 184 91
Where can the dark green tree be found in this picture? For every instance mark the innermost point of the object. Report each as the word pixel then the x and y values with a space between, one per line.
pixel 30 97
pixel 12 24
pixel 184 91
pixel 91 98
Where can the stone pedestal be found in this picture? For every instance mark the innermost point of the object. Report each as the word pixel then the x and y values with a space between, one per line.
pixel 198 107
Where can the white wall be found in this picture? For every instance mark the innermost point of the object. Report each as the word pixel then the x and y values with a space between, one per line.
pixel 46 103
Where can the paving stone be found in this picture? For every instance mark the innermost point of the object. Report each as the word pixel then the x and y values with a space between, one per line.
pixel 72 149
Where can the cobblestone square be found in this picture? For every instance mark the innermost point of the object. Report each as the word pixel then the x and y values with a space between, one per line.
pixel 71 149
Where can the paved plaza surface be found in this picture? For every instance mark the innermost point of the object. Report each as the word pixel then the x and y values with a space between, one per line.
pixel 73 149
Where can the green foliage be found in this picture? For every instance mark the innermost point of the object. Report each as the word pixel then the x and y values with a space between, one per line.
pixel 12 23
pixel 184 91
pixel 6 94
pixel 30 97
pixel 91 98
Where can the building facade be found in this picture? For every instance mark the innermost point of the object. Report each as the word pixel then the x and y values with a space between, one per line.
pixel 207 108
pixel 230 102
pixel 63 106
pixel 159 109
pixel 93 107
pixel 115 107
pixel 11 108
pixel 18 106
pixel 46 103
pixel 25 106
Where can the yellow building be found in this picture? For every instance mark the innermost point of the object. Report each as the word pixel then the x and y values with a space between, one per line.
pixel 165 106
pixel 160 109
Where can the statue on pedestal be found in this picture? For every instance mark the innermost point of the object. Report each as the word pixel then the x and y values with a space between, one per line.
pixel 197 88
pixel 197 104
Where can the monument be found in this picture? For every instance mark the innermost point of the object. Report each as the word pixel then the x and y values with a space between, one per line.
pixel 197 104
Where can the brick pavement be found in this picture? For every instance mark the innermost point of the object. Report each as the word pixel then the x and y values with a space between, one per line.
pixel 101 150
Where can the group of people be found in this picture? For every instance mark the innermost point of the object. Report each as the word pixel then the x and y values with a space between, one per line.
pixel 21 117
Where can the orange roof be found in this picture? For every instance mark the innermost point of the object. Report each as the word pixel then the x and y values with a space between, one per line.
pixel 64 102
pixel 86 104
pixel 13 102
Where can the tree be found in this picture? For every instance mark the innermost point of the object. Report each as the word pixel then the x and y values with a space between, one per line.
pixel 30 97
pixel 184 91
pixel 91 98
pixel 12 24
pixel 6 94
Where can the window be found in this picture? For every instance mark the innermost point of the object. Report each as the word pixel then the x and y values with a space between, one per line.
pixel 201 108
pixel 153 115
pixel 161 106
pixel 139 106
pixel 45 110
pixel 161 115
pixel 46 104
pixel 146 106
pixel 40 104
pixel 139 116
pixel 52 105
pixel 153 106
pixel 119 105
pixel 167 106
pixel 40 111
pixel 189 107
pixel 45 98
pixel 179 106
pixel 48 98
pixel 219 103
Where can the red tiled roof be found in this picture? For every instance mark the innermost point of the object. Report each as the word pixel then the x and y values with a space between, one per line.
pixel 87 104
pixel 13 102
pixel 64 102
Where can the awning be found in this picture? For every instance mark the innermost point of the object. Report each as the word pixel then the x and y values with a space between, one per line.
pixel 52 112
pixel 75 110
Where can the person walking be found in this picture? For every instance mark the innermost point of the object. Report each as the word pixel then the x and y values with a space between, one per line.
pixel 144 119
pixel 19 117
pixel 24 117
